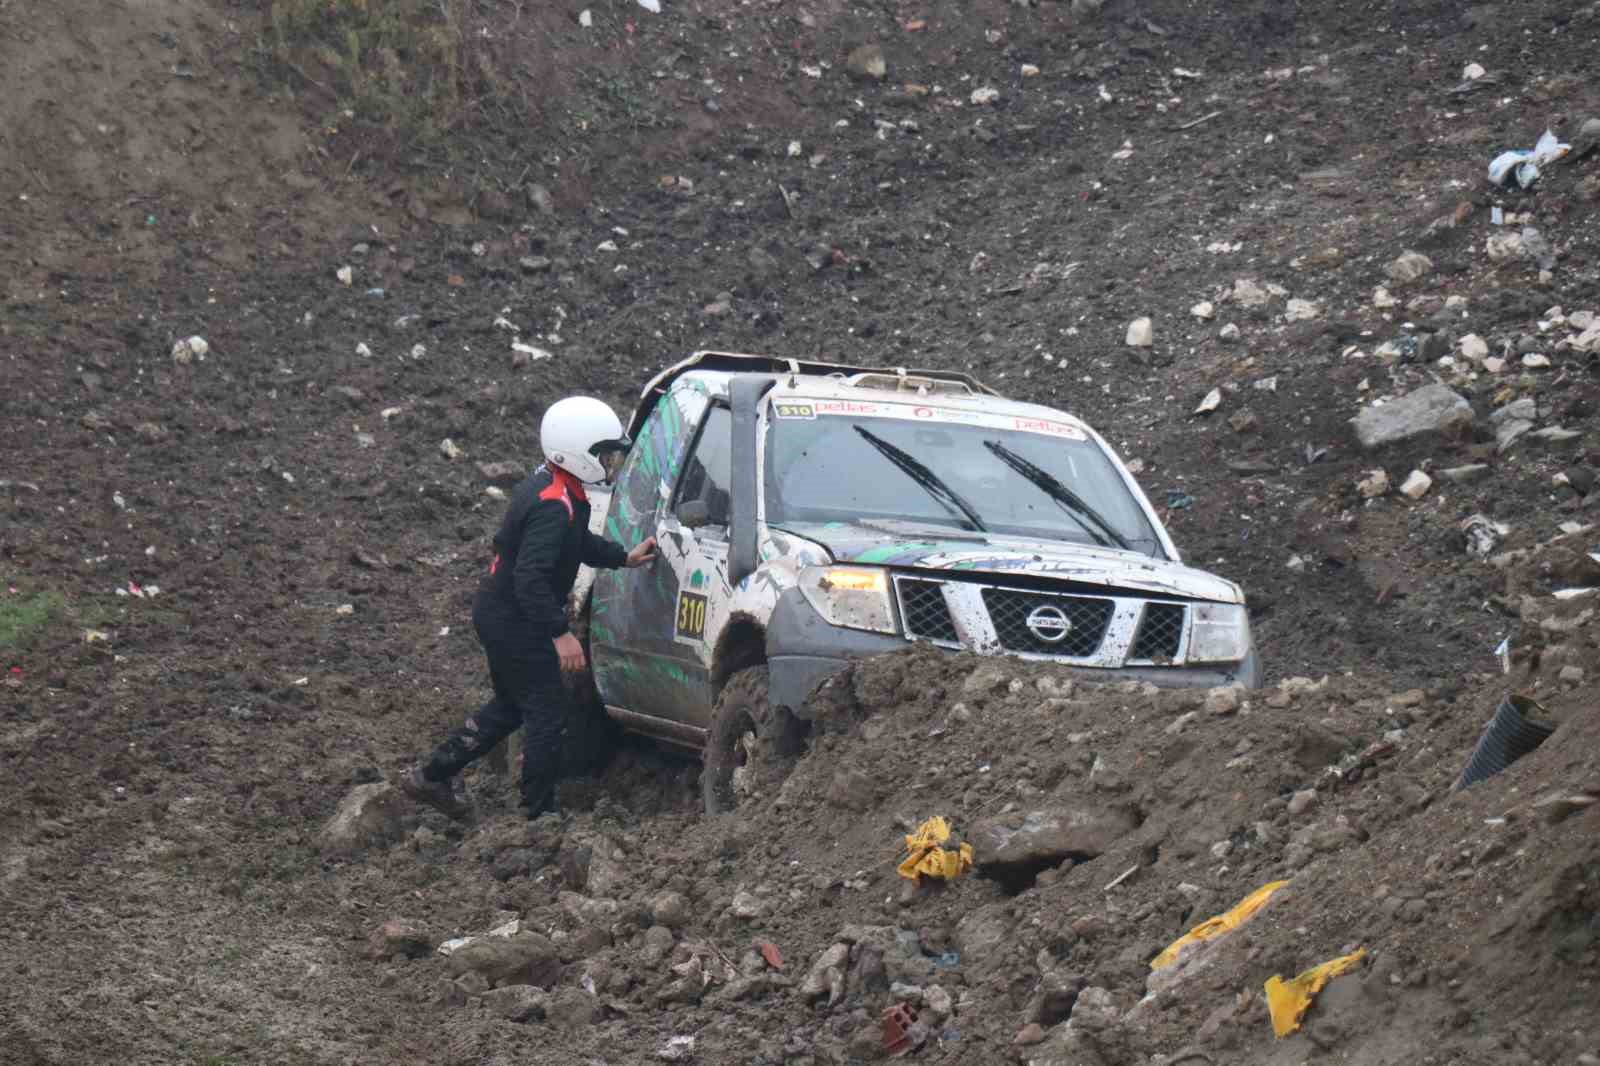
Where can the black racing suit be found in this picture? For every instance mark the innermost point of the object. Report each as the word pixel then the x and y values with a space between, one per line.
pixel 521 608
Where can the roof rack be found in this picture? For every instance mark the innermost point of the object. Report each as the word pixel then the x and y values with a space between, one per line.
pixel 890 377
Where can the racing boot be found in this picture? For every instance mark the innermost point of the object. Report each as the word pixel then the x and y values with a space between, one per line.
pixel 439 795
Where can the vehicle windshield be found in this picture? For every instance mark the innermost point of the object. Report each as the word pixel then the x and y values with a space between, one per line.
pixel 828 461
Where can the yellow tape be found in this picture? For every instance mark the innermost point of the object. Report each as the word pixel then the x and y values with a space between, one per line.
pixel 928 855
pixel 1289 1000
pixel 1242 912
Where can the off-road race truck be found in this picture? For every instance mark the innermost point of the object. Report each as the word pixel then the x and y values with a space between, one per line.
pixel 809 514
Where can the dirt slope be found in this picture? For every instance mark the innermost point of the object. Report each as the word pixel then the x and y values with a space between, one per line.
pixel 170 757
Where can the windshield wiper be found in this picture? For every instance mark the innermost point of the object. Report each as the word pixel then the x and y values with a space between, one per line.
pixel 1070 501
pixel 916 471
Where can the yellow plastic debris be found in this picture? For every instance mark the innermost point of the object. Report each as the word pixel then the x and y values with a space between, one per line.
pixel 932 856
pixel 1289 1000
pixel 1242 912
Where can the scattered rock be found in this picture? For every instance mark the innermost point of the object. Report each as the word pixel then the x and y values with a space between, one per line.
pixel 1047 837
pixel 867 62
pixel 517 1003
pixel 1375 484
pixel 505 474
pixel 1228 332
pixel 400 937
pixel 1301 311
pixel 1430 409
pixel 1474 347
pixel 1204 310
pixel 522 958
pixel 1302 801
pixel 1416 485
pixel 1409 267
pixel 670 909
pixel 368 817
pixel 747 906
pixel 189 350
pixel 1247 293
pixel 1224 699
pixel 1141 333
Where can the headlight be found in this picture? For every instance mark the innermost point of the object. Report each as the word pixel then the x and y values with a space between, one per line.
pixel 855 597
pixel 1218 632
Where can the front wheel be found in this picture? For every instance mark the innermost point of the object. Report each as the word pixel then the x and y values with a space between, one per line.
pixel 750 744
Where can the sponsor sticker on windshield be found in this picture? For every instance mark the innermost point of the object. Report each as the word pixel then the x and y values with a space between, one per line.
pixel 929 414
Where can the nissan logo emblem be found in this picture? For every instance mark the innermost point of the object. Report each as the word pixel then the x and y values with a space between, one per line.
pixel 1049 624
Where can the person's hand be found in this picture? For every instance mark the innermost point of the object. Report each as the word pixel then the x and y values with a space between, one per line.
pixel 643 553
pixel 570 651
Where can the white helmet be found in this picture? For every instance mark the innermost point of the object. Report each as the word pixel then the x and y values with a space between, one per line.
pixel 576 431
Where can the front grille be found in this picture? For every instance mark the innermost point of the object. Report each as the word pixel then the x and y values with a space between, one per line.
pixel 1077 622
pixel 1160 632
pixel 926 615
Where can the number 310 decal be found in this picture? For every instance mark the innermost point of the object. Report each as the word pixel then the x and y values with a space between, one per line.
pixel 691 615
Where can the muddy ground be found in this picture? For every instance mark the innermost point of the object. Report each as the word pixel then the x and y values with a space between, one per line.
pixel 235 583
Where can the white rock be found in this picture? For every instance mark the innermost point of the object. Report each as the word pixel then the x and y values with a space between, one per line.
pixel 1535 361
pixel 1494 364
pixel 189 350
pixel 1212 401
pixel 1505 246
pixel 533 354
pixel 1029 70
pixel 1416 485
pixel 1381 298
pixel 1409 267
pixel 1141 333
pixel 363 351
pixel 794 149
pixel 586 18
pixel 418 351
pixel 1301 311
pixel 345 609
pixel 1474 347
pixel 450 450
pixel 1203 310
pixel 1247 293
pixel 345 275
pixel 606 246
pixel 985 95
pixel 1229 332
pixel 1588 340
pixel 1582 319
pixel 1455 302
pixel 1375 484
pixel 1472 72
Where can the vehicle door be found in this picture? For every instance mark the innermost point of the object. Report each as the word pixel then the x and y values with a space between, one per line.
pixel 645 661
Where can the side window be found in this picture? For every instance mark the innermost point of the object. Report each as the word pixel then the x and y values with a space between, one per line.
pixel 708 473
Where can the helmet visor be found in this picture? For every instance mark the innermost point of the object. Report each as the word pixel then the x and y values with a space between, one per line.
pixel 611 454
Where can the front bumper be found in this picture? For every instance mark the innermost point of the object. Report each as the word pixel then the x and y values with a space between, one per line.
pixel 803 651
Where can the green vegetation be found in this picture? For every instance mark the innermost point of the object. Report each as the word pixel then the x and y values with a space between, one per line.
pixel 23 618
pixel 408 66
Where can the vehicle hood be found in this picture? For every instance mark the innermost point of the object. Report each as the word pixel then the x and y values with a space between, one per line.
pixel 1001 555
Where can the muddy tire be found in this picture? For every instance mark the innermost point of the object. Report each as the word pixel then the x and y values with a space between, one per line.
pixel 750 745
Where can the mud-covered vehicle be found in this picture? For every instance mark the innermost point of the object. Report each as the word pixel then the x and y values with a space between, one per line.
pixel 809 514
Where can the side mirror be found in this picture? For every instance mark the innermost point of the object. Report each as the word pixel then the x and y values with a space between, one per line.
pixel 694 514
